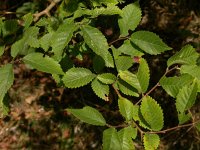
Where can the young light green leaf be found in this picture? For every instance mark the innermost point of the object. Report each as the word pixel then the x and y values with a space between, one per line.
pixel 30 36
pixel 98 43
pixel 149 42
pixel 143 75
pixel 187 55
pixel 89 115
pixel 77 77
pixel 125 108
pixel 45 64
pixel 126 88
pixel 130 78
pixel 2 49
pixel 107 78
pixel 172 85
pixel 28 18
pixel 192 70
pixel 111 140
pixel 152 113
pixel 45 41
pixel 125 136
pixel 129 49
pixel 100 89
pixel 61 38
pixel 6 81
pixel 186 97
pixel 123 63
pixel 151 141
pixel 130 18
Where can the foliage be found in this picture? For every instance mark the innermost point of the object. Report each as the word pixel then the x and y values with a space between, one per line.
pixel 52 44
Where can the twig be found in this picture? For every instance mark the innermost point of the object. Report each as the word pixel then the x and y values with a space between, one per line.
pixel 174 128
pixel 116 90
pixel 10 13
pixel 117 126
pixel 119 39
pixel 157 84
pixel 46 11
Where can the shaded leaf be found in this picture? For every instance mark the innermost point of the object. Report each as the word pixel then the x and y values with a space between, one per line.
pixel 172 85
pixel 149 42
pixel 77 77
pixel 100 89
pixel 6 81
pixel 187 55
pixel 89 115
pixel 2 49
pixel 130 18
pixel 98 43
pixel 45 41
pixel 45 64
pixel 183 118
pixel 151 141
pixel 152 113
pixel 111 140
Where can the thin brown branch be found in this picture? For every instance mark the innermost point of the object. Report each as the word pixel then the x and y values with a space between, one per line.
pixel 117 126
pixel 157 84
pixel 175 128
pixel 9 13
pixel 116 90
pixel 119 39
pixel 46 11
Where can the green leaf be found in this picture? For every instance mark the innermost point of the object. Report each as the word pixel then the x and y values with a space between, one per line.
pixel 9 27
pixel 98 43
pixel 125 108
pixel 192 70
pixel 61 38
pixel 151 141
pixel 100 89
pixel 130 18
pixel 6 81
pixel 130 78
pixel 45 41
pixel 28 19
pixel 123 63
pixel 89 115
pixel 172 85
pixel 111 140
pixel 30 36
pixel 197 125
pixel 187 55
pixel 18 46
pixel 98 63
pixel 152 113
pixel 2 49
pixel 125 136
pixel 107 78
pixel 183 118
pixel 126 88
pixel 143 75
pixel 129 49
pixel 77 77
pixel 106 2
pixel 109 10
pixel 186 97
pixel 45 64
pixel 149 42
